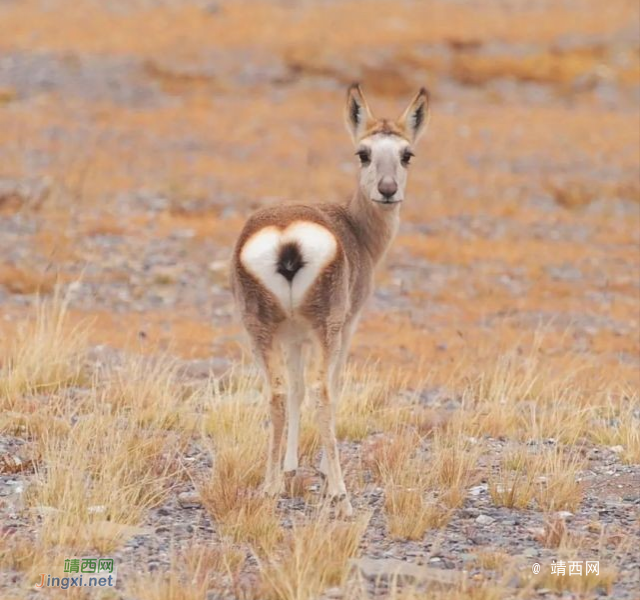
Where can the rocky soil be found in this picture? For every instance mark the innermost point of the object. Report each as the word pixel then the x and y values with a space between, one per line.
pixel 129 161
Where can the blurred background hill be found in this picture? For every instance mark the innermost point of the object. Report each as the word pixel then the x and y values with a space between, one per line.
pixel 136 136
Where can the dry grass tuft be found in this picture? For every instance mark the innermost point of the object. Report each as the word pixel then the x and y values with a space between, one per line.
pixel 235 428
pixel 422 485
pixel 513 484
pixel 493 395
pixel 410 513
pixel 555 532
pixel 32 424
pixel 150 392
pixel 559 483
pixel 17 552
pixel 309 443
pixel 491 559
pixel 315 556
pixel 169 585
pixel 550 477
pixel 100 478
pixel 243 513
pixel 193 574
pixel 367 402
pixel 620 426
pixel 234 480
pixel 46 354
pixel 104 468
pixel 396 461
pixel 453 465
pixel 521 398
pixel 388 455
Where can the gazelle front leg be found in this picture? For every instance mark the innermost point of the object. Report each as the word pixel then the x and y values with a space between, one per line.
pixel 337 379
pixel 321 388
pixel 295 396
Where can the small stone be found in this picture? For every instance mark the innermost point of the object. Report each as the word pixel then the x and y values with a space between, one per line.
pixel 189 500
pixel 407 572
pixel 484 520
pixel 476 490
pixel 46 510
pixel 467 556
pixel 617 449
pixel 564 515
pixel 530 552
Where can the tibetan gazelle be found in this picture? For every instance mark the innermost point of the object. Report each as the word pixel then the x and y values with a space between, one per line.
pixel 302 273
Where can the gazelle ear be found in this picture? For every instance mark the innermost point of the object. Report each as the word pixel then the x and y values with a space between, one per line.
pixel 415 118
pixel 357 113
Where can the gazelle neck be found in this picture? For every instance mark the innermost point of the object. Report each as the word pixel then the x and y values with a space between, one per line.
pixel 376 226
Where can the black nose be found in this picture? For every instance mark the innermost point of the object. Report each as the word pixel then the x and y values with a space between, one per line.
pixel 387 187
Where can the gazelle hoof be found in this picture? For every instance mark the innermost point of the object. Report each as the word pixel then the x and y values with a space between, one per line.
pixel 343 508
pixel 290 464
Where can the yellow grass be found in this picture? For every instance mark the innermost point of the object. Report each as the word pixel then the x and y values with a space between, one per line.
pixel 549 476
pixel 106 455
pixel 108 444
pixel 114 455
pixel 315 556
pixel 45 354
pixel 234 425
pixel 193 572
pixel 620 426
pixel 422 486
pixel 100 478
pixel 367 402
pixel 149 390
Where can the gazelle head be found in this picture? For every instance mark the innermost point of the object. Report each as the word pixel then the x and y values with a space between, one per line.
pixel 384 146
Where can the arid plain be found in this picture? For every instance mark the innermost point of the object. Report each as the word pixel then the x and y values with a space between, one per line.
pixel 491 418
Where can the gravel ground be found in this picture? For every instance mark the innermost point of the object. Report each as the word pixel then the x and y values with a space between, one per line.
pixel 128 174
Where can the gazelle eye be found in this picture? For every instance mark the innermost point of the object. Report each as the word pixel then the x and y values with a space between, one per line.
pixel 364 156
pixel 406 157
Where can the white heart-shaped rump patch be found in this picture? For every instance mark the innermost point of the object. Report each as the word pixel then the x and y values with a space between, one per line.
pixel 261 251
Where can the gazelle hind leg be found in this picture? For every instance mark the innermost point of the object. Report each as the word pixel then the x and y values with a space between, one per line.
pixel 274 374
pixel 295 395
pixel 321 388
